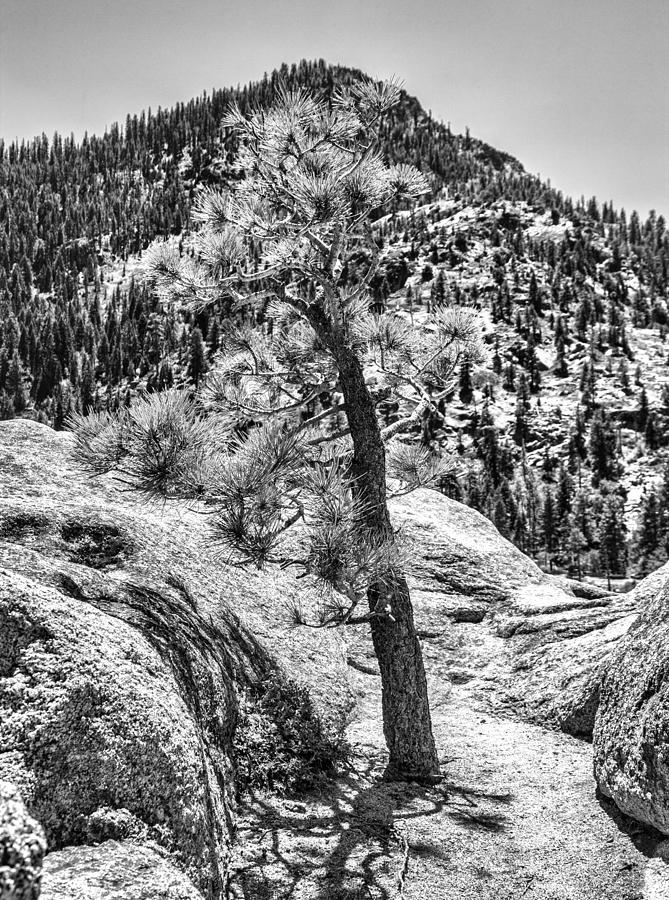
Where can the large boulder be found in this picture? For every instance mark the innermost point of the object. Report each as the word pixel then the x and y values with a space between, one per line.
pixel 124 644
pixel 115 870
pixel 93 716
pixel 631 736
pixel 22 847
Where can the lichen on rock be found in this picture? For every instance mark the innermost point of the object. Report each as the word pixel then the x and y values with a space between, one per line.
pixel 22 848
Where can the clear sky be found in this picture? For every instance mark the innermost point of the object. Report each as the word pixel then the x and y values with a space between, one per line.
pixel 578 90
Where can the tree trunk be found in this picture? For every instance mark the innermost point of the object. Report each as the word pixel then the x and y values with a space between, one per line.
pixel 407 725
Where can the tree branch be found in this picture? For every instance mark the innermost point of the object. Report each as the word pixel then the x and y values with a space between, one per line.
pixel 405 424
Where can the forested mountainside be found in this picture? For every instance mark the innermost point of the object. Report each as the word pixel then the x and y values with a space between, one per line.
pixel 561 439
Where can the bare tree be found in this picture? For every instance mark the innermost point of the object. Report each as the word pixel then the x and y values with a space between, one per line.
pixel 285 431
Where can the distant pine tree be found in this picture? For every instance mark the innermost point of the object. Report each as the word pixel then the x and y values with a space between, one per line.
pixel 613 537
pixel 603 450
pixel 197 359
pixel 647 539
pixel 465 389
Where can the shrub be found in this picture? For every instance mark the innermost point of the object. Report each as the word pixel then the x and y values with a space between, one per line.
pixel 282 743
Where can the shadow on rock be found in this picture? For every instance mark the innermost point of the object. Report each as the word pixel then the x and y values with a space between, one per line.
pixel 645 838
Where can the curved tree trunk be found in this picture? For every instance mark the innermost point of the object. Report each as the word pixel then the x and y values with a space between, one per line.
pixel 407 725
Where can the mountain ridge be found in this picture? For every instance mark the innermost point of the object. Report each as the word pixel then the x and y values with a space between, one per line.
pixel 566 290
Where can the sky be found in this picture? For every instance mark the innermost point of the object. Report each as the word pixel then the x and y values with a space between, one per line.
pixel 577 90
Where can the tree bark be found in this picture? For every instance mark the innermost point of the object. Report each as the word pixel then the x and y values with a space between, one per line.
pixel 407 724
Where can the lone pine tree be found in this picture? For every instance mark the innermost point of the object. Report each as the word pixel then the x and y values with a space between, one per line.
pixel 284 434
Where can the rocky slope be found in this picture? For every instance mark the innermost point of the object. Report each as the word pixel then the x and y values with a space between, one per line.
pixel 122 652
pixel 126 641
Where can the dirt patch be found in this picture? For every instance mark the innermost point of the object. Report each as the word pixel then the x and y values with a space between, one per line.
pixel 516 816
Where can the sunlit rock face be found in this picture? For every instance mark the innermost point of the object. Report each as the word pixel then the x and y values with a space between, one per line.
pixel 631 737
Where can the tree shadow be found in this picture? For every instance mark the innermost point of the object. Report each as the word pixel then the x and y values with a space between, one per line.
pixel 353 839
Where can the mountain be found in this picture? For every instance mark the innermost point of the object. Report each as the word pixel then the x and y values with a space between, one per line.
pixel 561 437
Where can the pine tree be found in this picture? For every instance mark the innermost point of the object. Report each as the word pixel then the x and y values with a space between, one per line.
pixel 663 509
pixel 613 537
pixel 549 527
pixel 535 296
pixel 312 181
pixel 647 539
pixel 651 434
pixel 6 406
pixel 497 359
pixel 588 387
pixel 465 390
pixel 520 430
pixel 603 449
pixel 576 543
pixel 561 367
pixel 87 386
pixel 438 291
pixel 578 434
pixel 197 360
pixel 488 448
pixel 642 412
pixel 15 383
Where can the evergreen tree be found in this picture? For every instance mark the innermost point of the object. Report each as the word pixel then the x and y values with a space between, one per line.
pixel 311 184
pixel 561 367
pixel 647 539
pixel 578 434
pixel 438 291
pixel 534 295
pixel 564 494
pixel 465 391
pixel 6 406
pixel 549 527
pixel 15 383
pixel 651 434
pixel 642 412
pixel 603 449
pixel 520 430
pixel 489 449
pixel 197 360
pixel 613 537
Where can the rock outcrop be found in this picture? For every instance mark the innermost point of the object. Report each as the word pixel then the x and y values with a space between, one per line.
pixel 22 847
pixel 631 737
pixel 115 870
pixel 492 619
pixel 94 714
pixel 124 643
